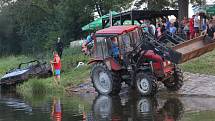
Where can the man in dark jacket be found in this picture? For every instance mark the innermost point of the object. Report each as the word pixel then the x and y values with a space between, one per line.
pixel 59 47
pixel 210 35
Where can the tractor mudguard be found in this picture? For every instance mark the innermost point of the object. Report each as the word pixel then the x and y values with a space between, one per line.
pixel 151 55
pixel 93 60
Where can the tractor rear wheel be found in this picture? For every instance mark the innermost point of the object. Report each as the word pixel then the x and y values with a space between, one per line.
pixel 146 84
pixel 176 82
pixel 104 81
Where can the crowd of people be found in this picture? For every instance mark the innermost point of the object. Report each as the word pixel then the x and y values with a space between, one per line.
pixel 189 28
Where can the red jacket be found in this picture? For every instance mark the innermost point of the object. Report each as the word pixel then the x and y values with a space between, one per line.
pixel 191 25
pixel 58 64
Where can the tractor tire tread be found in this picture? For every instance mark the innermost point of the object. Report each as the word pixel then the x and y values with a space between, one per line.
pixel 153 83
pixel 178 79
pixel 116 84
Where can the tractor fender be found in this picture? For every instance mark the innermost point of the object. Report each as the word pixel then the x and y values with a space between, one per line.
pixel 151 55
pixel 93 60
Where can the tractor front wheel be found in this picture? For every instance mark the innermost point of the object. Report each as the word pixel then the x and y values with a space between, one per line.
pixel 104 81
pixel 146 84
pixel 176 82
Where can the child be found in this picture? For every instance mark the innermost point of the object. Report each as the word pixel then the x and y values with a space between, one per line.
pixel 56 113
pixel 57 66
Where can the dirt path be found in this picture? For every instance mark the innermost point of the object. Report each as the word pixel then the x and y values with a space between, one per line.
pixel 194 85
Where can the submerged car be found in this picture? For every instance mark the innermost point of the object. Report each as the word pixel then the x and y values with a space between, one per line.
pixel 25 71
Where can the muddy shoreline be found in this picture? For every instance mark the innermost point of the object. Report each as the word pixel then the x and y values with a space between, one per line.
pixel 195 85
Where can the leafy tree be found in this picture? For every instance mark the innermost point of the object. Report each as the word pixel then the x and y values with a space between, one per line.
pixel 104 6
pixel 183 8
pixel 181 5
pixel 29 24
pixel 152 4
pixel 32 26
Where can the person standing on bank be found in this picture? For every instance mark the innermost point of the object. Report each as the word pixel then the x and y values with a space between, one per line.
pixel 56 65
pixel 211 30
pixel 59 47
pixel 196 25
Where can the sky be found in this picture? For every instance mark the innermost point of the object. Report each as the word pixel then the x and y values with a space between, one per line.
pixel 191 12
pixel 210 1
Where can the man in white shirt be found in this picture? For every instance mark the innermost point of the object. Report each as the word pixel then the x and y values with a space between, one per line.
pixel 196 25
pixel 153 28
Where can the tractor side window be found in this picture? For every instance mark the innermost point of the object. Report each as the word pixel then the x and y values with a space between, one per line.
pixel 102 47
pixel 98 52
pixel 105 47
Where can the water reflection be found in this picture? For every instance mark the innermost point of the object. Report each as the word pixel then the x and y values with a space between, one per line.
pixel 103 108
pixel 106 108
pixel 56 113
pixel 13 100
pixel 171 111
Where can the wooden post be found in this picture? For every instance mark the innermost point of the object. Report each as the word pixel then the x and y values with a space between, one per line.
pixel 132 19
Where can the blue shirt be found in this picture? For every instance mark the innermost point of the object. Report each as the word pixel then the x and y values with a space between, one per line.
pixel 168 25
pixel 89 39
pixel 172 30
pixel 204 25
pixel 115 50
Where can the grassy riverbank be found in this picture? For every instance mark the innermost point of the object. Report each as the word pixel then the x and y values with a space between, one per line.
pixel 199 116
pixel 7 63
pixel 204 64
pixel 72 76
pixel 47 86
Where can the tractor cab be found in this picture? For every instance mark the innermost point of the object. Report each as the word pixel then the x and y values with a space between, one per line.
pixel 115 43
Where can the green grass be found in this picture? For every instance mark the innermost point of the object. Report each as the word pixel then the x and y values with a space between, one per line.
pixel 48 87
pixel 204 64
pixel 199 116
pixel 10 62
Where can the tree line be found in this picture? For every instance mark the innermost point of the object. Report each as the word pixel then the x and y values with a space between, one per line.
pixel 32 26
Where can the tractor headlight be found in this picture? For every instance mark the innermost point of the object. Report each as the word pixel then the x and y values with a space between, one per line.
pixel 164 64
pixel 168 62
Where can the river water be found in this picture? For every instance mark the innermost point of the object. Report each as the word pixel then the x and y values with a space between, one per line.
pixel 90 107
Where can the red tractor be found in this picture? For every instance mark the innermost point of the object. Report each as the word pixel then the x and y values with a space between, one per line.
pixel 127 54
